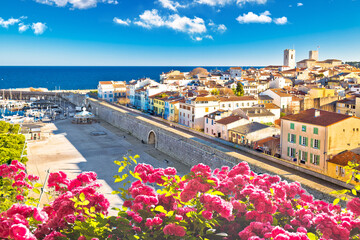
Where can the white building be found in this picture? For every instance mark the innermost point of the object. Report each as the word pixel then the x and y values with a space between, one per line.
pixel 111 90
pixel 232 102
pixel 192 111
pixel 235 73
pixel 281 98
pixel 280 82
pixel 225 124
pixel 210 126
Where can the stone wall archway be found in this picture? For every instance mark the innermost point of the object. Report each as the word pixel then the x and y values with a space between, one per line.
pixel 151 138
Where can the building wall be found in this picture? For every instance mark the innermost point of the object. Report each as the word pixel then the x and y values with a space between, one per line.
pixel 339 172
pixel 344 135
pixel 309 133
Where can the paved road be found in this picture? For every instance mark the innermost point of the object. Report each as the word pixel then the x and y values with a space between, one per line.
pixel 289 173
pixel 73 149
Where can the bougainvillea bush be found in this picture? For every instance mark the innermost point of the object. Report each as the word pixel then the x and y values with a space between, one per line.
pixel 226 203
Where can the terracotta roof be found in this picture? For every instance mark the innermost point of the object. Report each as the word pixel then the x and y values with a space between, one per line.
pixel 325 119
pixel 228 120
pixel 343 158
pixel 271 106
pixel 203 99
pixel 261 142
pixel 106 82
pixel 236 98
pixel 236 68
pixel 280 92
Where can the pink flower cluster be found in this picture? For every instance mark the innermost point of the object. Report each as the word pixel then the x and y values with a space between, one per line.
pixel 244 204
pixel 14 223
pixel 173 229
pixel 62 210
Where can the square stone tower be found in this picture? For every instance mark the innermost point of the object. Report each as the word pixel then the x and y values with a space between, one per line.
pixel 314 55
pixel 289 58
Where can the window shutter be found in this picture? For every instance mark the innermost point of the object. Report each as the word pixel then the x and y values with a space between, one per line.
pixel 288 137
pixel 306 141
pixel 300 140
pixel 312 142
pixel 311 158
pixel 306 156
pixel 300 157
pixel 294 138
pixel 319 144
pixel 337 169
pixel 288 150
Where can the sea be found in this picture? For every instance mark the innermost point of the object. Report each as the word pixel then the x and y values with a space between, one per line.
pixel 79 78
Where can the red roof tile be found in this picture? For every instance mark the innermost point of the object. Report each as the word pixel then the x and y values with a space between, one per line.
pixel 325 119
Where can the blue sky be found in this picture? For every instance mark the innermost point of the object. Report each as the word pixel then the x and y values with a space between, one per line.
pixel 175 32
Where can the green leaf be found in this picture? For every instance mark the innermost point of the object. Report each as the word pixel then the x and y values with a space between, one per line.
pixel 118 163
pixel 82 197
pixel 336 201
pixel 38 185
pixel 272 191
pixel 160 209
pixel 35 190
pixel 311 236
pixel 354 192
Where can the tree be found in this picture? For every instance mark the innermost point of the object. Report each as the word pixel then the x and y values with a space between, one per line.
pixel 239 90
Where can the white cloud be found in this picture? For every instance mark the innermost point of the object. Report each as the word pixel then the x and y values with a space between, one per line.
pixel 80 4
pixel 215 2
pixel 198 39
pixel 300 4
pixel 242 2
pixel 150 19
pixel 122 22
pixel 280 21
pixel 225 2
pixel 222 28
pixel 38 28
pixel 9 22
pixel 23 27
pixel 185 24
pixel 251 17
pixel 169 4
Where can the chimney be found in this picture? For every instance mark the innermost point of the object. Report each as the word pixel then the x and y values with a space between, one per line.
pixel 317 113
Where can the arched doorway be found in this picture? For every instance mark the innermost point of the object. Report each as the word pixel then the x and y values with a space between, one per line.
pixel 151 138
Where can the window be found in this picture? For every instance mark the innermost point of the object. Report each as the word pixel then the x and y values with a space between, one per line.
pixel 207 130
pixel 303 156
pixel 316 131
pixel 212 122
pixel 207 120
pixel 315 159
pixel 316 143
pixel 291 152
pixel 303 128
pixel 291 138
pixel 292 126
pixel 303 141
pixel 223 105
pixel 237 105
